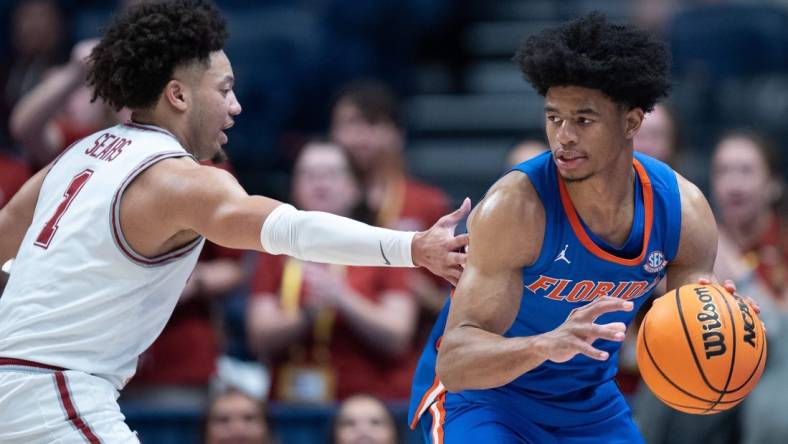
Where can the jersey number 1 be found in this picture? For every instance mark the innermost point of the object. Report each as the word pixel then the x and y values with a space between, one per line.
pixel 48 232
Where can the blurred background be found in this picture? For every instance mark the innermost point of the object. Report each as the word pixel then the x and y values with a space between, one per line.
pixel 392 111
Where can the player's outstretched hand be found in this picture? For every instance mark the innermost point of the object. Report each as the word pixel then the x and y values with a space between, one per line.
pixel 439 250
pixel 579 331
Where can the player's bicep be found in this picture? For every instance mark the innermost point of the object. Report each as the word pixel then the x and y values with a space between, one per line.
pixel 212 203
pixel 234 220
pixel 503 239
pixel 698 241
pixel 486 299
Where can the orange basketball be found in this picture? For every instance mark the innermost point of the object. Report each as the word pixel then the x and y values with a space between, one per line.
pixel 700 349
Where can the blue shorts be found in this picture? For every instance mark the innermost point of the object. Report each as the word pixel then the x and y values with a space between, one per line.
pixel 453 419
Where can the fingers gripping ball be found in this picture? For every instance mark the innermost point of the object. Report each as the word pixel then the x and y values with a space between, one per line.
pixel 700 349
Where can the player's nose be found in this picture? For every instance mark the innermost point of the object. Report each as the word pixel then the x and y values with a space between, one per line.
pixel 566 134
pixel 235 106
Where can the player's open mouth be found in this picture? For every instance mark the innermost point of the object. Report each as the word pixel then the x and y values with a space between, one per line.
pixel 569 159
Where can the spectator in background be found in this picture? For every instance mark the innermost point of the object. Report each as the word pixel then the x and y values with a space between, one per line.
pixel 363 419
pixel 524 150
pixel 753 251
pixel 329 331
pixel 59 110
pixel 233 417
pixel 37 36
pixel 13 174
pixel 746 186
pixel 367 121
pixel 658 136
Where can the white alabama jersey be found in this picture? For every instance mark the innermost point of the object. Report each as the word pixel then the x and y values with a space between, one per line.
pixel 79 297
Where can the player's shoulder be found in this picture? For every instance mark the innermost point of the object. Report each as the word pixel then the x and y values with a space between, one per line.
pixel 513 193
pixel 691 195
pixel 176 178
pixel 510 216
pixel 661 175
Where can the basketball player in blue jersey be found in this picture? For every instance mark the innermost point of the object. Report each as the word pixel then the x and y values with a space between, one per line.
pixel 563 251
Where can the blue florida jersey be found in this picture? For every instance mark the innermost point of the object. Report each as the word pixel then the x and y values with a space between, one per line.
pixel 574 267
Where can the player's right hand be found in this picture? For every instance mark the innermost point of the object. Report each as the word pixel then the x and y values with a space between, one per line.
pixel 579 331
pixel 439 250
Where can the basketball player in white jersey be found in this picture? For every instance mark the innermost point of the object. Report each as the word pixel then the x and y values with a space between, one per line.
pixel 119 219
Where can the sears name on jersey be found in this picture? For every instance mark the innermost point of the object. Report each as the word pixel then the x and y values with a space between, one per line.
pixel 107 147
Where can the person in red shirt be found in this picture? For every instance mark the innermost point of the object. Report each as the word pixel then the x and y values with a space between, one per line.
pixel 329 332
pixel 13 174
pixel 367 121
pixel 752 250
pixel 59 110
pixel 747 187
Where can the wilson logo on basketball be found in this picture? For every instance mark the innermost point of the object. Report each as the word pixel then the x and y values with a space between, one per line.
pixel 655 262
pixel 713 339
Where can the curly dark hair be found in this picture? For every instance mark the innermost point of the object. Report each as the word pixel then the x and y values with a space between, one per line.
pixel 628 65
pixel 142 47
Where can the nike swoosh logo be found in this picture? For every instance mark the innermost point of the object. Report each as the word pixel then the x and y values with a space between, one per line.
pixel 383 254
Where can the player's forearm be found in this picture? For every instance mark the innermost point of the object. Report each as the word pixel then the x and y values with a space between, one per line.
pixel 470 358
pixel 322 237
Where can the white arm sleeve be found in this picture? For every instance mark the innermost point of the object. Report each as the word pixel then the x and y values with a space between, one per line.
pixel 323 237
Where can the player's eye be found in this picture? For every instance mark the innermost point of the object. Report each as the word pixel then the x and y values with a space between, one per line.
pixel 584 121
pixel 554 119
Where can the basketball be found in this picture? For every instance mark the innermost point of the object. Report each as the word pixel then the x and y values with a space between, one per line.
pixel 700 349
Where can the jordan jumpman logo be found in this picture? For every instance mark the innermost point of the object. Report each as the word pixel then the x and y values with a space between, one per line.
pixel 562 255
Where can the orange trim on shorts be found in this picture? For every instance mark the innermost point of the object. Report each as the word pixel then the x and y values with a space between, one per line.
pixel 438 419
pixel 582 235
pixel 430 394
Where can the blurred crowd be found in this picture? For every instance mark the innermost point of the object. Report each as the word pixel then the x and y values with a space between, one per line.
pixel 326 129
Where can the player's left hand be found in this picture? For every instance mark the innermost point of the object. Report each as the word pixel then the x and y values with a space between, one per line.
pixel 439 250
pixel 731 287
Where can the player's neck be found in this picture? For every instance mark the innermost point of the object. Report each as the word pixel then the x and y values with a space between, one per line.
pixel 605 201
pixel 156 118
pixel 608 188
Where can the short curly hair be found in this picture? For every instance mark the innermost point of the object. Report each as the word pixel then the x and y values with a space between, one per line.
pixel 142 47
pixel 628 65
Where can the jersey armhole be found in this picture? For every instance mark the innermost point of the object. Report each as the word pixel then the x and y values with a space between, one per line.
pixel 117 231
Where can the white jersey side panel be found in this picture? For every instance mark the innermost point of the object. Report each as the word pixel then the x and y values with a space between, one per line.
pixel 79 297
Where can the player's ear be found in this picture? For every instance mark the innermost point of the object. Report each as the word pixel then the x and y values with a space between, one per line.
pixel 177 95
pixel 633 119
